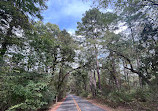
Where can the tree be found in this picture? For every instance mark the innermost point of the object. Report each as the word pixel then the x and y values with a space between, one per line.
pixel 15 16
pixel 137 16
pixel 91 27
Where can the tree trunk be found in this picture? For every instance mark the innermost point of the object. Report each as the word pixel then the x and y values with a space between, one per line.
pixel 114 71
pixel 138 65
pixel 95 86
pixel 126 75
pixel 92 83
pixel 59 84
pixel 97 68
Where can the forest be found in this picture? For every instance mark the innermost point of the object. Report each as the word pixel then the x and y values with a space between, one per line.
pixel 113 56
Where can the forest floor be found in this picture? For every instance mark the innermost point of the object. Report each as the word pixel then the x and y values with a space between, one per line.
pixel 134 106
pixel 103 105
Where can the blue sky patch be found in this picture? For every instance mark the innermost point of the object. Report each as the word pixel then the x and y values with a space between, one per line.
pixel 65 13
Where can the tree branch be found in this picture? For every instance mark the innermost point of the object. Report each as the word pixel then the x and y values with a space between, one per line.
pixel 61 82
pixel 131 67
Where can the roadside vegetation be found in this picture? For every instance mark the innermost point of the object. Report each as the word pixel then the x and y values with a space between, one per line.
pixel 121 68
pixel 113 57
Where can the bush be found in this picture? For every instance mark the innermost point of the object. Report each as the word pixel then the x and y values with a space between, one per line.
pixel 90 95
pixel 134 97
pixel 120 97
pixel 25 91
pixel 141 95
pixel 84 94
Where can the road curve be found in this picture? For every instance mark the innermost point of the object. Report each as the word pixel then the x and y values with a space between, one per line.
pixel 75 103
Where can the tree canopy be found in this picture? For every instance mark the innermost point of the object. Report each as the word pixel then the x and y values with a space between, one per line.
pixel 113 56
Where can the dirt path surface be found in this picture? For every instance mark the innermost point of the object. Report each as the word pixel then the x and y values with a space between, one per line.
pixel 75 103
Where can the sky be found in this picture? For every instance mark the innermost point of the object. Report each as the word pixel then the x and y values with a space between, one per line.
pixel 65 13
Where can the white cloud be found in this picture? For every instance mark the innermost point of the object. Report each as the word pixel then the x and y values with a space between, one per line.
pixel 75 8
pixel 71 31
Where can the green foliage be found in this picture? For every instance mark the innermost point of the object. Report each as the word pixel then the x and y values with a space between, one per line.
pixel 135 96
pixel 15 14
pixel 29 78
pixel 142 95
pixel 26 91
pixel 120 97
pixel 37 69
pixel 84 94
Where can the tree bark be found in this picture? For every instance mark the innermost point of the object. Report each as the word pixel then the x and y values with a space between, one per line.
pixel 126 74
pixel 114 70
pixel 95 86
pixel 97 67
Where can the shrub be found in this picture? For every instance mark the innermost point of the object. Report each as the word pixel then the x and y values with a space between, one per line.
pixel 84 94
pixel 120 97
pixel 25 91
pixel 141 95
